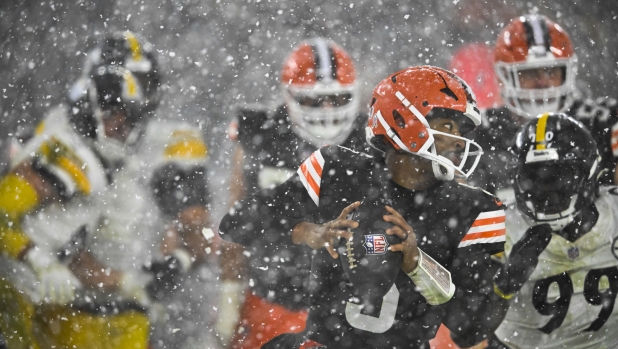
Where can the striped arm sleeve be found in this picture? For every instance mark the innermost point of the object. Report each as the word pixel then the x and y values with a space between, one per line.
pixel 614 140
pixel 488 227
pixel 310 175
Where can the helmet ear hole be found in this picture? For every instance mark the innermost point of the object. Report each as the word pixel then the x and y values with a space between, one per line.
pixel 399 120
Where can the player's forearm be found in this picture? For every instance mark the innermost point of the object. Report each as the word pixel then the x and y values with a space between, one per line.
pixel 269 215
pixel 93 274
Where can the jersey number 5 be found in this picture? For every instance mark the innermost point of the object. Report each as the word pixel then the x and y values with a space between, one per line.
pixel 559 308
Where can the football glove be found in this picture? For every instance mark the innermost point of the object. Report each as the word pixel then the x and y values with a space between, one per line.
pixel 522 261
pixel 167 274
pixel 57 284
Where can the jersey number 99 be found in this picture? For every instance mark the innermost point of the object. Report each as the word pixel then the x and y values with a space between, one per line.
pixel 593 295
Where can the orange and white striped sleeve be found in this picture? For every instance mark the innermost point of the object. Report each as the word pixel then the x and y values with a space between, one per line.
pixel 488 227
pixel 614 140
pixel 310 174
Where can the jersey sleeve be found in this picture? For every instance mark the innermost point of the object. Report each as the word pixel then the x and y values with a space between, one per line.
pixel 269 215
pixel 474 309
pixel 601 116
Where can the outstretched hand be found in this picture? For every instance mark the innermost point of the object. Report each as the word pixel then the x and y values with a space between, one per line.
pixel 404 231
pixel 522 260
pixel 325 235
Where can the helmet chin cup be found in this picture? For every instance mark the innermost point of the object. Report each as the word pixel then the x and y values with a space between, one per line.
pixel 442 172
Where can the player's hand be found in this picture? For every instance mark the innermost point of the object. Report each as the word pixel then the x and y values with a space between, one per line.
pixel 522 260
pixel 404 231
pixel 167 276
pixel 317 236
pixel 57 284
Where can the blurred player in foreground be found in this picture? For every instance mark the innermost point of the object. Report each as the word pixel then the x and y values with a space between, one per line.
pixel 86 207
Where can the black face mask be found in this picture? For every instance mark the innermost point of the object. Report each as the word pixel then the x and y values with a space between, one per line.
pixel 550 186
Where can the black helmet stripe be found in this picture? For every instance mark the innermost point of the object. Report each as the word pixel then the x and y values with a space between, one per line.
pixel 333 62
pixel 536 30
pixel 325 65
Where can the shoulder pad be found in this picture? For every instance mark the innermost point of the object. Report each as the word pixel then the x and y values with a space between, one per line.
pixel 601 110
pixel 312 169
pixel 67 159
pixel 179 142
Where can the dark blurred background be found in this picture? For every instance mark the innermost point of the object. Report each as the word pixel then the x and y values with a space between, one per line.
pixel 217 54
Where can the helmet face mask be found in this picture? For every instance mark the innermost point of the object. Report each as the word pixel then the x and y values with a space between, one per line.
pixel 529 102
pixel 400 108
pixel 119 115
pixel 557 177
pixel 532 43
pixel 320 91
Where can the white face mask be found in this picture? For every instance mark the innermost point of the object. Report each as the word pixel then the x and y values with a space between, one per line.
pixel 320 125
pixel 531 102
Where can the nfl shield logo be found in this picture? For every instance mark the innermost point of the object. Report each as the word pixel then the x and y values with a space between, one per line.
pixel 375 244
pixel 573 252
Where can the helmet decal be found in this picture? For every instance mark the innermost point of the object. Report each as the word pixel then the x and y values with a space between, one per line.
pixel 325 61
pixel 447 91
pixel 537 35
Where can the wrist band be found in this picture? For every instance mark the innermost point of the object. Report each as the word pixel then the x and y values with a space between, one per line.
pixel 432 280
pixel 502 294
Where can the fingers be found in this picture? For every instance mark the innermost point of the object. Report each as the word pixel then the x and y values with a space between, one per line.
pixel 397 231
pixel 394 217
pixel 401 228
pixel 331 250
pixel 396 248
pixel 346 211
pixel 343 223
pixel 393 212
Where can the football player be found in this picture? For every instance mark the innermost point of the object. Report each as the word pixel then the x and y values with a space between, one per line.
pixel 321 106
pixel 418 121
pixel 568 301
pixel 153 173
pixel 536 66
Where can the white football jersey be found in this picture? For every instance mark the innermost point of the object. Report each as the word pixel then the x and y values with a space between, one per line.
pixel 124 224
pixel 569 300
pixel 131 224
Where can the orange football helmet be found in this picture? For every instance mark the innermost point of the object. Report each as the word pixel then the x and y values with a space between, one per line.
pixel 399 109
pixel 534 42
pixel 319 87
